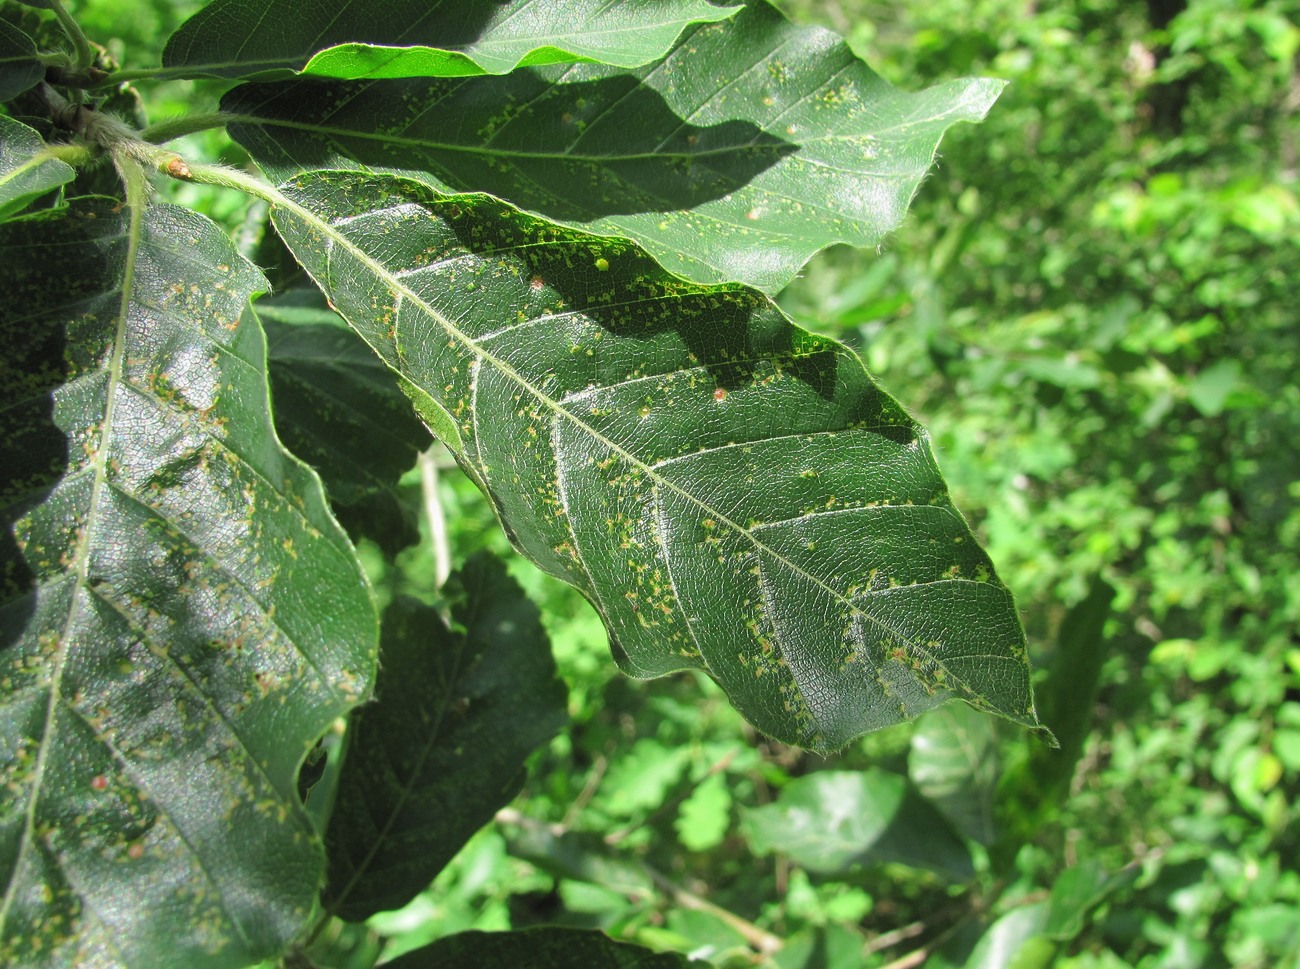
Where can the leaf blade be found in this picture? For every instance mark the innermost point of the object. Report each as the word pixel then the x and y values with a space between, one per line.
pixel 26 171
pixel 408 38
pixel 835 822
pixel 20 68
pixel 732 493
pixel 165 672
pixel 736 168
pixel 443 749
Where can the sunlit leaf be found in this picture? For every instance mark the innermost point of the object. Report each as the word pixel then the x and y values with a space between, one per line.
pixel 1014 941
pixel 180 616
pixel 540 948
pixel 414 38
pixel 19 67
pixel 731 492
pixel 442 748
pixel 705 815
pixel 837 822
pixel 754 144
pixel 26 170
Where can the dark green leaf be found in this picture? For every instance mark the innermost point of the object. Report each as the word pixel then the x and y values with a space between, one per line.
pixel 414 38
pixel 26 170
pixel 954 763
pixel 543 948
pixel 181 618
pixel 1073 676
pixel 19 67
pixel 731 492
pixel 835 822
pixel 340 409
pixel 443 747
pixel 754 144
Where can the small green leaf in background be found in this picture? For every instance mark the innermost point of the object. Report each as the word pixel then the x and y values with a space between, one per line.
pixel 1072 679
pixel 738 167
pixel 542 948
pixel 413 38
pixel 26 170
pixel 836 822
pixel 640 779
pixel 1014 941
pixel 954 763
pixel 20 68
pixel 824 947
pixel 705 816
pixel 732 493
pixel 442 748
pixel 1078 890
pixel 340 409
pixel 180 616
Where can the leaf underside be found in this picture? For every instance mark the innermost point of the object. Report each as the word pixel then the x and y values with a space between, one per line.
pixel 416 38
pixel 725 165
pixel 731 492
pixel 180 617
pixel 26 172
pixel 443 748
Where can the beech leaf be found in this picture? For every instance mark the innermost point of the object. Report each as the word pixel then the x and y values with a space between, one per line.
pixel 731 492
pixel 723 162
pixel 415 38
pixel 180 616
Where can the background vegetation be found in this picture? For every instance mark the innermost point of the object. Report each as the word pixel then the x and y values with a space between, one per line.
pixel 1091 307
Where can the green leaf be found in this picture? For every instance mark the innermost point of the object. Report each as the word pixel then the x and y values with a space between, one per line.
pixel 641 778
pixel 1014 941
pixel 754 144
pixel 27 171
pixel 1078 890
pixel 341 410
pixel 442 750
pixel 954 763
pixel 20 68
pixel 836 822
pixel 541 948
pixel 1072 680
pixel 705 816
pixel 731 492
pixel 413 38
pixel 180 616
